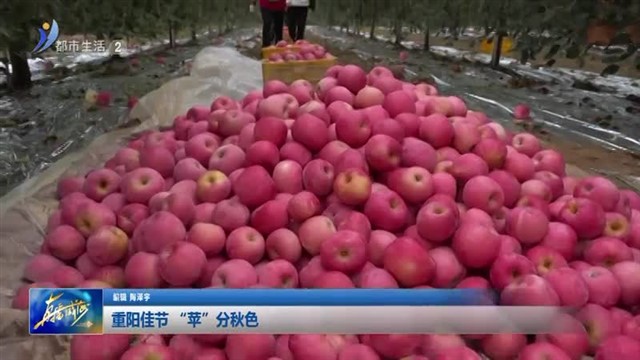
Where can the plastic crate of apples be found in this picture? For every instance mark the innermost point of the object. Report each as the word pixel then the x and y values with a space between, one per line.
pixel 301 60
pixel 283 46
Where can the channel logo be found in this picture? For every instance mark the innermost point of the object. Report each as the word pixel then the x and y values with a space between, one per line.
pixel 65 311
pixel 48 35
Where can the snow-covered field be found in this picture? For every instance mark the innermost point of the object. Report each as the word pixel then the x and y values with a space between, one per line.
pixel 619 84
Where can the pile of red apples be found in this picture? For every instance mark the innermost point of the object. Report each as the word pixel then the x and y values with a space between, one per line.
pixel 360 181
pixel 301 50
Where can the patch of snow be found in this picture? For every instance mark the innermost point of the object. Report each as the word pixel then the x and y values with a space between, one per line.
pixel 88 57
pixel 35 65
pixel 447 51
pixel 469 55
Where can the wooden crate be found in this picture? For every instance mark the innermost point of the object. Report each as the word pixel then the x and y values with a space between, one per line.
pixel 310 70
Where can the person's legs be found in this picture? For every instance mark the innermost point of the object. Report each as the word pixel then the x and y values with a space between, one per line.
pixel 292 23
pixel 278 23
pixel 267 27
pixel 301 22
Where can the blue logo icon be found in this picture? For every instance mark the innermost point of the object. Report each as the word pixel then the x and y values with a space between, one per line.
pixel 46 39
pixel 65 311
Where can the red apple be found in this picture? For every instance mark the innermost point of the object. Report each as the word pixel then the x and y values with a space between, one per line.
pixel 628 275
pixel 476 245
pixel 508 268
pixel 509 184
pixel 386 210
pixel 503 346
pixel 416 152
pixel 529 290
pixel 318 177
pixel 570 336
pixel 603 286
pixel 600 190
pixel 383 152
pixel 546 259
pixel 606 251
pixel 409 262
pixel 353 128
pixel 287 176
pixel 527 224
pixel 543 350
pixel 569 285
pixel 413 184
pixel 617 226
pixel 437 220
pixel 344 251
pixel 352 186
pixel 310 131
pixel 619 347
pixel 597 322
pixel 352 77
pixel 449 270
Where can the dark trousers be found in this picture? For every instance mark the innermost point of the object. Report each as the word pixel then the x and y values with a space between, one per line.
pixel 297 21
pixel 272 23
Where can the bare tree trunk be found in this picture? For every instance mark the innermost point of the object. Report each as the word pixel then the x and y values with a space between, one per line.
pixel 397 31
pixel 427 37
pixel 497 39
pixel 172 40
pixel 455 29
pixel 360 17
pixel 20 78
pixel 374 18
pixel 496 53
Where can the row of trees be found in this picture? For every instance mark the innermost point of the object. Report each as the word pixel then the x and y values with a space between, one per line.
pixel 567 23
pixel 570 26
pixel 139 19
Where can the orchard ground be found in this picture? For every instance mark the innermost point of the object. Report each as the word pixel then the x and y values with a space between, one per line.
pixel 45 123
pixel 470 42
